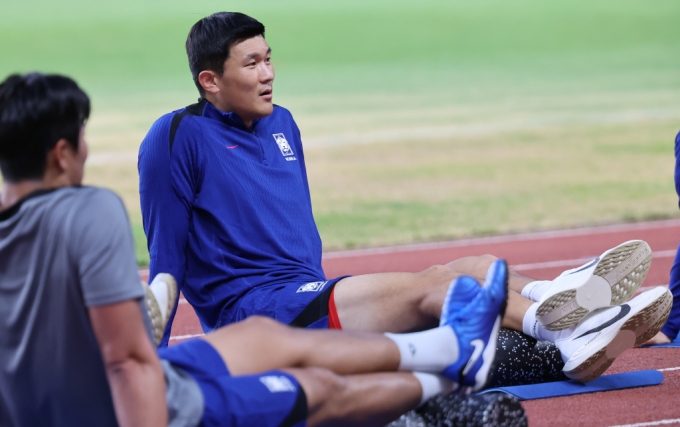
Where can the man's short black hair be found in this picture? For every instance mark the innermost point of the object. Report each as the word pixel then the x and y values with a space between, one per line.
pixel 36 111
pixel 210 38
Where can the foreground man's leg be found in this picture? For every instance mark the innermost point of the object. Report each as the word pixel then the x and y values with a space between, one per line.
pixel 361 400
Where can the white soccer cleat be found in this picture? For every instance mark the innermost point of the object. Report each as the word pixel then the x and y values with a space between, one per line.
pixel 607 332
pixel 160 300
pixel 610 279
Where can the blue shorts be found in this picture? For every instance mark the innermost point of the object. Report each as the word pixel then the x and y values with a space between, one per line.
pixel 300 304
pixel 271 398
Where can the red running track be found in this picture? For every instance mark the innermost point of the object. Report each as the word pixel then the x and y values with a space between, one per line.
pixel 542 255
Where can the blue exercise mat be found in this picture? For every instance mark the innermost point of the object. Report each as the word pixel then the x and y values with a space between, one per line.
pixel 674 344
pixel 567 388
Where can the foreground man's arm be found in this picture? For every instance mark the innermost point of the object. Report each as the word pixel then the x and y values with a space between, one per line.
pixel 132 366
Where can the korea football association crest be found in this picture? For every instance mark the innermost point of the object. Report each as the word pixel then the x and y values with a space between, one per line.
pixel 311 287
pixel 284 146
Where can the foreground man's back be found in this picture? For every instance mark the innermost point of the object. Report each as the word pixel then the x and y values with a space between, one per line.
pixel 52 270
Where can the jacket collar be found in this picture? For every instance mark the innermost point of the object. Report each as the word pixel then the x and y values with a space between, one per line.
pixel 230 118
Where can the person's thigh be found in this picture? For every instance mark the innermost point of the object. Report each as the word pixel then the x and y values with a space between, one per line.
pixel 393 302
pixel 273 398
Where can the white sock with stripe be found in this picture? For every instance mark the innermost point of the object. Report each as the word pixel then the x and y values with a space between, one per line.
pixel 427 351
pixel 535 290
pixel 532 327
pixel 432 385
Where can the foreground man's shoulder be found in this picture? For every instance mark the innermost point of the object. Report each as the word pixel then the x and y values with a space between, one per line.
pixel 99 195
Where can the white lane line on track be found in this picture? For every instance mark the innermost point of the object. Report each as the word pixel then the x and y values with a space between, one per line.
pixel 579 261
pixel 651 423
pixel 677 368
pixel 635 226
pixel 185 337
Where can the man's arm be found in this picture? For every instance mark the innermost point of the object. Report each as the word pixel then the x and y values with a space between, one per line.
pixel 132 366
pixel 166 188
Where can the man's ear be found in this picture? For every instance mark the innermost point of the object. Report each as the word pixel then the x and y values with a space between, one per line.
pixel 208 80
pixel 60 154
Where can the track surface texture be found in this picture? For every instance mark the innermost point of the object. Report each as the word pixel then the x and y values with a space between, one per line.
pixel 542 255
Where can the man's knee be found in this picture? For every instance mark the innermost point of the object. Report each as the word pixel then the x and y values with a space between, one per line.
pixel 324 390
pixel 475 266
pixel 438 274
pixel 262 324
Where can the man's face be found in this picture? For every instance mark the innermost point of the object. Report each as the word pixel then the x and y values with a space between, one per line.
pixel 245 87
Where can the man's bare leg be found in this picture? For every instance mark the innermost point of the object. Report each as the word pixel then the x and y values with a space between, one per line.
pixel 402 302
pixel 357 400
pixel 326 364
pixel 334 368
pixel 411 301
pixel 272 345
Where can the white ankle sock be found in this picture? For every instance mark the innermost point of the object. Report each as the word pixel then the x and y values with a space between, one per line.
pixel 535 290
pixel 433 384
pixel 532 327
pixel 427 351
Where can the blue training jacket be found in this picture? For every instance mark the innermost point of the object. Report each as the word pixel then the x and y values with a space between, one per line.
pixel 226 208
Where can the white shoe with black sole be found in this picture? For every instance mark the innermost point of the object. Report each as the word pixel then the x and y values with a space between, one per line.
pixel 610 279
pixel 607 332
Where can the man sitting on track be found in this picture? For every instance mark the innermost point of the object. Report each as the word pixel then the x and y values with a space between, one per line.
pixel 76 345
pixel 227 210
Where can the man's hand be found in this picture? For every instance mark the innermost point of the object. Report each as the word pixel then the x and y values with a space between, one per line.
pixel 132 365
pixel 659 338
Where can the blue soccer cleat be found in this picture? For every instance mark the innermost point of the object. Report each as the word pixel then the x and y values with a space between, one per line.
pixel 461 292
pixel 475 321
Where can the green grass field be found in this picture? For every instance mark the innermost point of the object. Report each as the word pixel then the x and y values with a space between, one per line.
pixel 422 120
